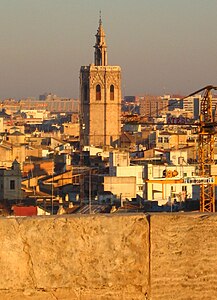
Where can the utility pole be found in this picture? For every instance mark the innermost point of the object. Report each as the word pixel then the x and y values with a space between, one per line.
pixel 90 211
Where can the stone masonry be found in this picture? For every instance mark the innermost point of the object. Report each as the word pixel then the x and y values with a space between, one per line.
pixel 134 256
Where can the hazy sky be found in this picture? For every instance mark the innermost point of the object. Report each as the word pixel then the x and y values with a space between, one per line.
pixel 162 46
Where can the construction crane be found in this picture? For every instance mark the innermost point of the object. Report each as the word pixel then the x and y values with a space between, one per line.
pixel 206 134
pixel 206 131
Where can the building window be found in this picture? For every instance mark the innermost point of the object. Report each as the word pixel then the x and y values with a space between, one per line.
pixel 112 92
pixel 98 92
pixel 160 140
pixel 166 140
pixel 184 188
pixel 12 184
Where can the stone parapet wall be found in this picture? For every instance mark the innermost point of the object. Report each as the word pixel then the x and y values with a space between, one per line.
pixel 99 257
pixel 183 256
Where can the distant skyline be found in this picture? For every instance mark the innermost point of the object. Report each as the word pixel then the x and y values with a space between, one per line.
pixel 162 46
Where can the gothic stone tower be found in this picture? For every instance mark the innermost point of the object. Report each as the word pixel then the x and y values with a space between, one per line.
pixel 100 98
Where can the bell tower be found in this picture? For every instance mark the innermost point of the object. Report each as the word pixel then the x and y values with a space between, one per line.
pixel 100 98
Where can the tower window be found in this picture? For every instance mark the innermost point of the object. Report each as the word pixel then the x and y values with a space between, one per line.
pixel 112 90
pixel 98 92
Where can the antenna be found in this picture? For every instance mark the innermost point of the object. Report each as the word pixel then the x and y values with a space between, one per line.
pixel 100 17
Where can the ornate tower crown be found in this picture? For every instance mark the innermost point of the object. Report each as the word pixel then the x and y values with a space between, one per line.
pixel 100 55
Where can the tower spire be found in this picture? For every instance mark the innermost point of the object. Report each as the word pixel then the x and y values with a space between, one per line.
pixel 100 55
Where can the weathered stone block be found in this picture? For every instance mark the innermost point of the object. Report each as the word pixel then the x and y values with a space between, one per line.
pixel 74 256
pixel 14 257
pixel 183 256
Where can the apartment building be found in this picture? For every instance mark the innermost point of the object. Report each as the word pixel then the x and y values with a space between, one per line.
pixel 166 183
pixel 152 106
